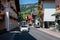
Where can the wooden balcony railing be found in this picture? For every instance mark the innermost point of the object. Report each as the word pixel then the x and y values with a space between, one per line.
pixel 13 9
pixel 12 13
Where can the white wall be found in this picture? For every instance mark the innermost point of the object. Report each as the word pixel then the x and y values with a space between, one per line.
pixel 49 9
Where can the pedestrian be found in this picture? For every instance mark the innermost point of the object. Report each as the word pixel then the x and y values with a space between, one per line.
pixel 29 18
pixel 34 15
pixel 57 27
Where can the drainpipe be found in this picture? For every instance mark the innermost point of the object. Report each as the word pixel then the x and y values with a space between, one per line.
pixel 7 17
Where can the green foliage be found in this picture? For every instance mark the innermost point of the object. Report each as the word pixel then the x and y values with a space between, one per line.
pixel 25 9
pixel 20 18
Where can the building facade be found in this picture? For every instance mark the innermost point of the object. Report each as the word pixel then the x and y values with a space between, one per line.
pixel 47 8
pixel 2 16
pixel 9 14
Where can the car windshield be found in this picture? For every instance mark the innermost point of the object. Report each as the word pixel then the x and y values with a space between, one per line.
pixel 23 23
pixel 24 26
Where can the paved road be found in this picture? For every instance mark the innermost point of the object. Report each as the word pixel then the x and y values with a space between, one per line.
pixel 39 35
pixel 34 34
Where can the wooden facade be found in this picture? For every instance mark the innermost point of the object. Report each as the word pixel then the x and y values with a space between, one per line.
pixel 2 15
pixel 13 12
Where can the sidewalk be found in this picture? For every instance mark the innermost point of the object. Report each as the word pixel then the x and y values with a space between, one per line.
pixel 51 32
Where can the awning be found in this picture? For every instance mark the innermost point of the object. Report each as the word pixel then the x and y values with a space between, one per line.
pixel 56 13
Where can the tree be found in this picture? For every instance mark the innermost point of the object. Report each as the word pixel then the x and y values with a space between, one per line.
pixel 20 16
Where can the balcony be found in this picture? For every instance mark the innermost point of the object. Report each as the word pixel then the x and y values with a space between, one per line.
pixel 13 9
pixel 11 4
pixel 12 13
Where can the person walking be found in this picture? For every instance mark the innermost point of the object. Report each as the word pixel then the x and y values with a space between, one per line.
pixel 34 15
pixel 29 18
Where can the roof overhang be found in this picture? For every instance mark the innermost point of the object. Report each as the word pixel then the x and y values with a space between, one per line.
pixel 56 13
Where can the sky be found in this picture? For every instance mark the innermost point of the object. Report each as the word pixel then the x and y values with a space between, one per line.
pixel 27 1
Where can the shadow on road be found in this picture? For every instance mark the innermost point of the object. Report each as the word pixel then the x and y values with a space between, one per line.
pixel 17 36
pixel 24 36
pixel 16 29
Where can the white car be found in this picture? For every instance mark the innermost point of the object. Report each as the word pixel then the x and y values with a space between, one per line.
pixel 24 28
pixel 37 24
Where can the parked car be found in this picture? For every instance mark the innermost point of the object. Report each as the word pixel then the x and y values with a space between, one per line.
pixel 23 23
pixel 24 28
pixel 37 24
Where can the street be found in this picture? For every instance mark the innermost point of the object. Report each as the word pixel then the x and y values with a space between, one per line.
pixel 33 34
pixel 17 16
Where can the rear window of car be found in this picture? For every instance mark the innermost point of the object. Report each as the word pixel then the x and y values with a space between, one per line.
pixel 24 26
pixel 23 23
